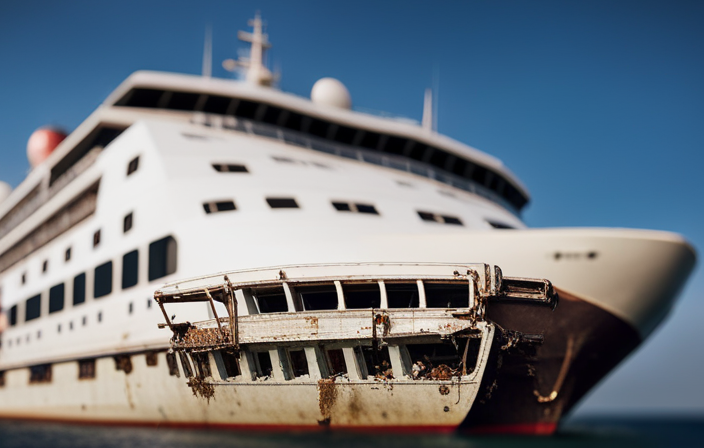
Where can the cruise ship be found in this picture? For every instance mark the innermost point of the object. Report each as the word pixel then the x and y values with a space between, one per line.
pixel 179 177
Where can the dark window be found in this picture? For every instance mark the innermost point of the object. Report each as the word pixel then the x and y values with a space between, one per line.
pixel 364 208
pixel 217 104
pixel 366 295
pixel 133 165
pixel 271 300
pixel 130 269
pixel 447 295
pixel 103 280
pixel 40 374
pixel 299 363
pixel 426 216
pixel 271 115
pixel 345 135
pixel 499 225
pixel 395 145
pixel 183 101
pixel 229 168
pixel 2 378
pixel 96 238
pixel 68 254
pixel 221 206
pixel 320 297
pixel 378 361
pixel 429 356
pixel 342 206
pixel 162 258
pixel 45 266
pixel 294 121
pixel 232 365
pixel 402 295
pixel 452 220
pixel 282 202
pixel 172 364
pixel 86 369
pixel 13 315
pixel 141 98
pixel 124 363
pixel 56 298
pixel 33 308
pixel 202 364
pixel 185 365
pixel 319 128
pixel 100 316
pixel 127 223
pixel 24 278
pixel 246 109
pixel 79 289
pixel 264 363
pixel 336 362
pixel 370 140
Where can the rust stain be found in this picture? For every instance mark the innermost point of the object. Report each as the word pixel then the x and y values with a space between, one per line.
pixel 201 387
pixel 312 321
pixel 327 395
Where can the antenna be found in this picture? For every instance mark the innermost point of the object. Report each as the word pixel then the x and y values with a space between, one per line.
pixel 256 71
pixel 208 53
pixel 428 116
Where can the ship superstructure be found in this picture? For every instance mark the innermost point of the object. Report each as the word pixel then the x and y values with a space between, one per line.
pixel 176 176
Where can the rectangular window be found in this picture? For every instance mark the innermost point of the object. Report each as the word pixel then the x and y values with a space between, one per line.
pixel 40 374
pixel 299 363
pixel 263 364
pixel 282 202
pixel 439 361
pixel 232 365
pixel 426 216
pixel 56 298
pixel 447 295
pixel 2 378
pixel 221 206
pixel 13 315
pixel 79 289
pixel 362 295
pixel 342 206
pixel 130 269
pixel 366 208
pixel 162 258
pixel 151 359
pixel 320 297
pixel 452 220
pixel 378 362
pixel 229 168
pixel 336 362
pixel 96 238
pixel 271 300
pixel 127 223
pixel 67 256
pixel 102 285
pixel 402 295
pixel 172 364
pixel 124 363
pixel 33 308
pixel 133 165
pixel 186 365
pixel 86 369
pixel 202 363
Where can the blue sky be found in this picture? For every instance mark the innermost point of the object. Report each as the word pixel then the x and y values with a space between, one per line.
pixel 597 106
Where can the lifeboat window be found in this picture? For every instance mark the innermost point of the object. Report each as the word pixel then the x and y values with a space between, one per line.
pixel 102 285
pixel 86 369
pixel 231 363
pixel 33 308
pixel 229 168
pixel 402 295
pixel 172 364
pixel 183 101
pixel 220 206
pixel 79 289
pixel 56 298
pixel 282 202
pixel 162 258
pixel 499 225
pixel 447 295
pixel 40 374
pixel 130 269
pixel 217 104
pixel 299 363
pixel 378 362
pixel 133 165
pixel 336 362
pixel 319 297
pixel 271 300
pixel 264 367
pixel 360 296
pixel 13 315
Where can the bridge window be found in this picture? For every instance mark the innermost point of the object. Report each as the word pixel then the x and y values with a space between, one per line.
pixel 362 295
pixel 402 295
pixel 320 297
pixel 447 295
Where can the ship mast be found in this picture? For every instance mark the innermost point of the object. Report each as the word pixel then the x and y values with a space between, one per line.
pixel 256 71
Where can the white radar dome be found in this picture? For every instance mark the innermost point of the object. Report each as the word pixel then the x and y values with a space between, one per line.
pixel 5 190
pixel 331 92
pixel 42 143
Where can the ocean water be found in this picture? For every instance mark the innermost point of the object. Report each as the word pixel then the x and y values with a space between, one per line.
pixel 581 432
